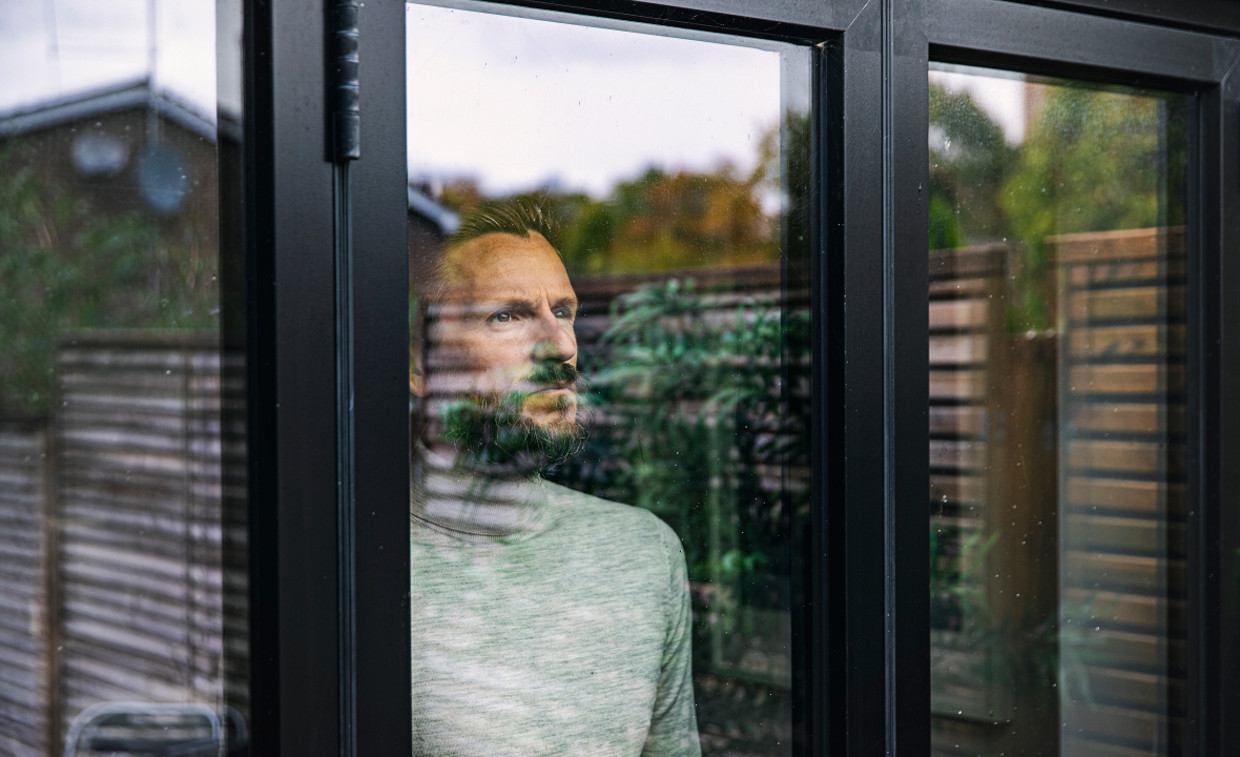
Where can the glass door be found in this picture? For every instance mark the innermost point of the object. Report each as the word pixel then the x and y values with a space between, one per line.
pixel 610 383
pixel 1057 413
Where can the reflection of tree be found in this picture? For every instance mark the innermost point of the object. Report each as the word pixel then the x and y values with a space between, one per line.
pixel 969 157
pixel 1091 161
pixel 663 220
pixel 687 220
pixel 64 265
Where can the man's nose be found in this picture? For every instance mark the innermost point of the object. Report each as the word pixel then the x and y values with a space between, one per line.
pixel 557 341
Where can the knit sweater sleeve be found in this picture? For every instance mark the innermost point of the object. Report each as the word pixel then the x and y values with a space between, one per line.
pixel 673 726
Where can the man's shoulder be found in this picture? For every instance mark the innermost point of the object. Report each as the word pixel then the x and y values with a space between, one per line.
pixel 578 502
pixel 620 521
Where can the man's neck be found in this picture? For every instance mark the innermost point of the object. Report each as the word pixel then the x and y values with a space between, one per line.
pixel 449 495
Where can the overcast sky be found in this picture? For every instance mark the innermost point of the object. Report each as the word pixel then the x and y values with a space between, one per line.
pixel 517 103
pixel 62 47
pixel 514 102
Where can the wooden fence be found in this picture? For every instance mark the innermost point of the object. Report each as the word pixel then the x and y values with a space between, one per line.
pixel 1123 543
pixel 1057 496
pixel 115 534
pixel 24 668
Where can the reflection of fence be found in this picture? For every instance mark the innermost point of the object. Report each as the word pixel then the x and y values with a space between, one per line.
pixel 993 457
pixel 134 516
pixel 1068 448
pixel 967 342
pixel 24 667
pixel 1122 423
pixel 132 512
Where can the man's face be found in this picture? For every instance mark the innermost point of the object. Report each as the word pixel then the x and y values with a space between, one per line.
pixel 505 329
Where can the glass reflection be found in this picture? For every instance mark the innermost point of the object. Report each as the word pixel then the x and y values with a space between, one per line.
pixel 1057 417
pixel 115 454
pixel 608 270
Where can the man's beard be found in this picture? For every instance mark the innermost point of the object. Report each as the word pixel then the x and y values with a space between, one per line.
pixel 493 434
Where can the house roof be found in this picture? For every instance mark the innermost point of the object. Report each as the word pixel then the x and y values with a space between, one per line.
pixel 137 93
pixel 445 220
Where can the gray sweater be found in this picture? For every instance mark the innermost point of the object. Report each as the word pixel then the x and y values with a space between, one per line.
pixel 545 622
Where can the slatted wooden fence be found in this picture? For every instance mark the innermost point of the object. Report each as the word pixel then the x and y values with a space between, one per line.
pixel 137 566
pixel 967 341
pixel 1123 568
pixel 24 664
pixel 141 470
pixel 1067 448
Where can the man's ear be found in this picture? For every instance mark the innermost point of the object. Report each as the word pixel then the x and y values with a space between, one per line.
pixel 418 384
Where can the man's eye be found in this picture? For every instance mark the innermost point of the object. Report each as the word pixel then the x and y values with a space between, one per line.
pixel 500 318
pixel 564 313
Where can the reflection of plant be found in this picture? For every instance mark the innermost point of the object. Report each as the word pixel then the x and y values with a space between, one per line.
pixel 700 384
pixel 703 400
pixel 975 645
pixel 957 594
pixel 1080 646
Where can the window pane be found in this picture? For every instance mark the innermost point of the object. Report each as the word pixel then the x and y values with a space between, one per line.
pixel 1057 444
pixel 666 175
pixel 119 445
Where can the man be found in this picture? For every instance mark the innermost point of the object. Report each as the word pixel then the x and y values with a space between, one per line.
pixel 545 621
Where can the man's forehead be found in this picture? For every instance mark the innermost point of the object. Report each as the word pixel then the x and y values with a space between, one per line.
pixel 506 266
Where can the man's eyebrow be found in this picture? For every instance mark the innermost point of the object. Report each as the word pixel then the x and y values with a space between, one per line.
pixel 500 303
pixel 516 303
pixel 521 303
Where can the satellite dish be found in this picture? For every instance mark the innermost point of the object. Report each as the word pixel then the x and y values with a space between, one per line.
pixel 162 179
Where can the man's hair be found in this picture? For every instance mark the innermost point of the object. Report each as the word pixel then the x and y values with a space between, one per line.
pixel 517 216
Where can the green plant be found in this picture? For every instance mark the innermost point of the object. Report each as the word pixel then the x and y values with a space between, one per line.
pixel 704 393
pixel 1045 657
pixel 957 592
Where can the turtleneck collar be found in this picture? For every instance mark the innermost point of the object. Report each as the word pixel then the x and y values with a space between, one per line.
pixel 473 507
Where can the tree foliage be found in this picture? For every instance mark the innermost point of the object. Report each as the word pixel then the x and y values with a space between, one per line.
pixel 969 159
pixel 1093 159
pixel 664 220
pixel 65 266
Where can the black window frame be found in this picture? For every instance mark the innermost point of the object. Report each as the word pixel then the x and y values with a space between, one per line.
pixel 325 284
